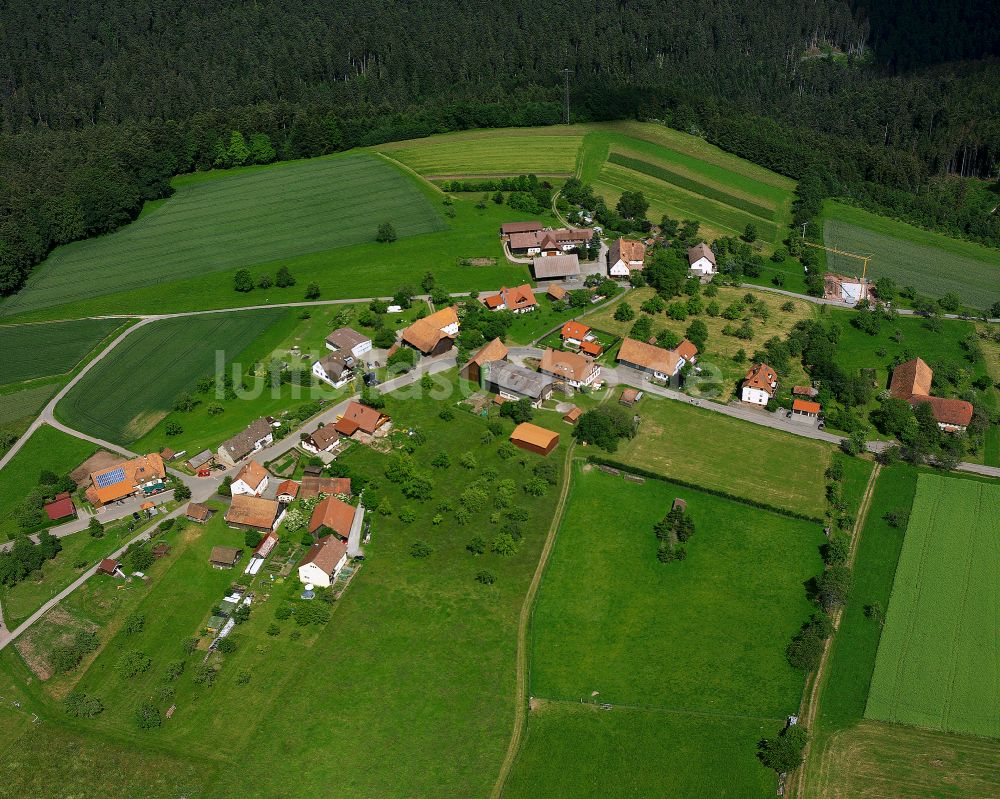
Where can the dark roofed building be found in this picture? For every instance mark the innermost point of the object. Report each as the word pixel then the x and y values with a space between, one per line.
pixel 224 557
pixel 556 267
pixel 257 435
pixel 516 382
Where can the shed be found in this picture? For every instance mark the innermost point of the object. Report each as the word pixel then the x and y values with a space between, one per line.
pixel 224 557
pixel 61 508
pixel 629 397
pixel 679 503
pixel 109 566
pixel 572 415
pixel 533 438
pixel 196 512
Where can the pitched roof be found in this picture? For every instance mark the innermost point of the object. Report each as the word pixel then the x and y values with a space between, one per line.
pixel 119 481
pixel 314 486
pixel 108 566
pixel 519 227
pixel 60 509
pixel 494 350
pixel 591 348
pixel 627 250
pixel 516 379
pixel 686 350
pixel 515 298
pixel 567 365
pixel 947 411
pixel 324 437
pixel 242 443
pixel 556 292
pixel 805 406
pixel 167 454
pixel 253 474
pixel 630 396
pixel 268 542
pixel 649 356
pixel 335 364
pixel 367 419
pixel 289 487
pixel 805 391
pixel 528 433
pixel 325 553
pixel 556 266
pixel 344 338
pixel 761 376
pixel 333 513
pixel 574 329
pixel 424 334
pixel 197 511
pixel 227 555
pixel 203 457
pixel 572 414
pixel 700 250
pixel 252 511
pixel 912 377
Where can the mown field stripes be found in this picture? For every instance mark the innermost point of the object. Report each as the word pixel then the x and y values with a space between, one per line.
pixel 238 219
pixel 32 351
pixel 128 392
pixel 938 663
pixel 685 182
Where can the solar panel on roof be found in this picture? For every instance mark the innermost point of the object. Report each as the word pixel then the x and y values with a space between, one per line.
pixel 110 478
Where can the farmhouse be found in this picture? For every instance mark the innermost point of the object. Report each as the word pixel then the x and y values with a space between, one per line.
pixel 287 492
pixel 313 486
pixel 224 557
pixel 912 380
pixel 344 341
pixel 360 418
pixel 323 562
pixel 507 229
pixel 494 350
pixel 336 370
pixel 519 299
pixel 433 334
pixel 143 475
pixel 323 439
pixel 575 333
pixel 805 410
pixel 759 385
pixel 570 367
pixel 254 513
pixel 547 243
pixel 335 515
pixel 196 512
pixel 625 257
pixel 61 507
pixel 257 436
pixel 514 382
pixel 701 260
pixel 556 267
pixel 250 480
pixel 533 438
pixel 662 364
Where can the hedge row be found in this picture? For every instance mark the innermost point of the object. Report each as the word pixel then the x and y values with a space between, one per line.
pixel 601 461
pixel 661 172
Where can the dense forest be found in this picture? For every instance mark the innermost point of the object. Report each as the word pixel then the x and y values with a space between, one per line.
pixel 102 102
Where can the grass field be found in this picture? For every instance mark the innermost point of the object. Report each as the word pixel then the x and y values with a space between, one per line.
pixel 47 448
pixel 938 664
pixel 129 392
pixel 548 151
pixel 49 349
pixel 238 219
pixel 931 263
pixel 706 448
pixel 574 751
pixel 19 408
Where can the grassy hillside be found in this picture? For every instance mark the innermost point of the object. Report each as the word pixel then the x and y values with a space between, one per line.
pixel 32 351
pixel 931 263
pixel 219 221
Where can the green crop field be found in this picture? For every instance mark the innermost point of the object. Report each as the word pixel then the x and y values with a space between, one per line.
pixel 235 219
pixel 47 448
pixel 706 448
pixel 937 664
pixel 693 650
pixel 131 390
pixel 49 349
pixel 19 408
pixel 511 151
pixel 931 263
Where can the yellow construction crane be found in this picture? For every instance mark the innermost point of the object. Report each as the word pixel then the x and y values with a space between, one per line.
pixel 863 258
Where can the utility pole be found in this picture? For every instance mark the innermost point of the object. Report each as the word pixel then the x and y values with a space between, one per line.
pixel 566 93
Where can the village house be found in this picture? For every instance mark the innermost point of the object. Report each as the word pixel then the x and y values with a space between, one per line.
pixel 514 382
pixel 348 342
pixel 556 267
pixel 250 480
pixel 625 256
pixel 494 350
pixel 336 370
pixel 805 410
pixel 520 299
pixel 433 334
pixel 532 438
pixel 360 418
pixel 61 507
pixel 662 364
pixel 257 435
pixel 322 439
pixel 759 385
pixel 313 486
pixel 574 333
pixel 143 475
pixel 701 260
pixel 572 368
pixel 196 512
pixel 323 562
pixel 911 381
pixel 333 515
pixel 224 557
pixel 254 513
pixel 287 491
pixel 547 243
pixel 507 229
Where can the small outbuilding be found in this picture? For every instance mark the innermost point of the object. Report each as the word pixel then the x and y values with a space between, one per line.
pixel 196 512
pixel 111 567
pixel 224 557
pixel 61 507
pixel 572 415
pixel 533 438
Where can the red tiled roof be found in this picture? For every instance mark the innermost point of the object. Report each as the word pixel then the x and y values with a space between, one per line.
pixel 574 329
pixel 60 509
pixel 955 412
pixel 591 348
pixel 686 350
pixel 912 377
pixel 805 406
pixel 333 513
pixel 761 376
pixel 326 553
pixel 289 487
